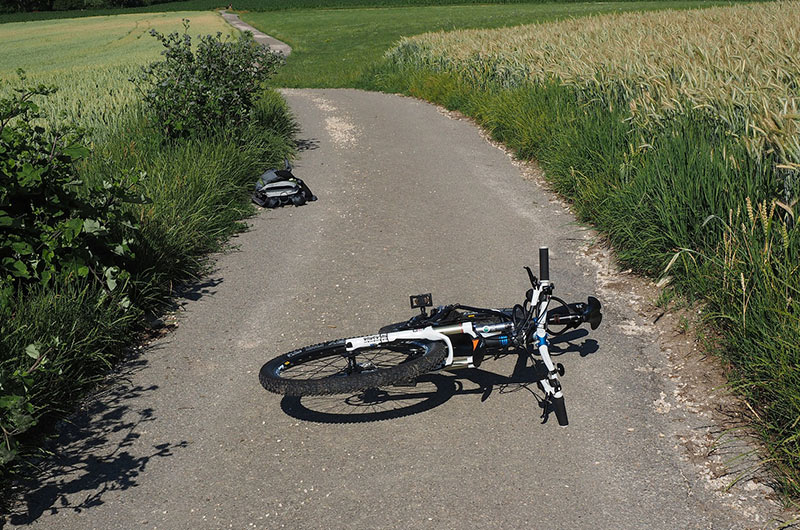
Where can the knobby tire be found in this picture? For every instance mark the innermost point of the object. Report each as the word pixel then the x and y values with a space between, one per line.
pixel 284 374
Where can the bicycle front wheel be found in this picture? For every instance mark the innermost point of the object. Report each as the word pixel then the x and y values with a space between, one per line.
pixel 328 368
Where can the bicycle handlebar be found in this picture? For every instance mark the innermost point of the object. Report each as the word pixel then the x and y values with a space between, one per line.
pixel 574 315
pixel 544 264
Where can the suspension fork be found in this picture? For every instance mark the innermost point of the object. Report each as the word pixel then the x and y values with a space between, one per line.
pixel 550 384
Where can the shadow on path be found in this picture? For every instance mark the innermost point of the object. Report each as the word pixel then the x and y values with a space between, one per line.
pixel 96 451
pixel 308 144
pixel 197 290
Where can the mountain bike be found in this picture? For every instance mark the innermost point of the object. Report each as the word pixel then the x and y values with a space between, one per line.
pixel 449 337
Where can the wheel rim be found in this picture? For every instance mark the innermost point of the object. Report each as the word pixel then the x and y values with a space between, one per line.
pixel 340 363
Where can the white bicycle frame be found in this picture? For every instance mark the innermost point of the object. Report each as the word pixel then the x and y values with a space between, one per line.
pixel 550 384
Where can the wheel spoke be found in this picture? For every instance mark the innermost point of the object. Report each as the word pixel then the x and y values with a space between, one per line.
pixel 365 360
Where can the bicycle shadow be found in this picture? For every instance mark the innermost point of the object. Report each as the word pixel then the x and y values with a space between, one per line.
pixel 587 347
pixel 434 389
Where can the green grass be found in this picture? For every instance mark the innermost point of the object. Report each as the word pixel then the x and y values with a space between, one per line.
pixel 252 5
pixel 332 48
pixel 196 192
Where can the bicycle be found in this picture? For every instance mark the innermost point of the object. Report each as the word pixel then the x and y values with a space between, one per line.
pixel 451 336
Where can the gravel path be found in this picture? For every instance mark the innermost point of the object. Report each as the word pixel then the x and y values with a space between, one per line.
pixel 410 201
pixel 262 38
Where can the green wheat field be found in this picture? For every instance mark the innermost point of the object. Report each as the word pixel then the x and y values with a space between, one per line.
pixel 92 59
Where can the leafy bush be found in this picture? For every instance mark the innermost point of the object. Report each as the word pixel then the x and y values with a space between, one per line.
pixel 192 93
pixel 54 225
pixel 55 228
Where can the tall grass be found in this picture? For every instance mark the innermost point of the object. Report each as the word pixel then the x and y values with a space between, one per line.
pixel 195 194
pixel 196 190
pixel 673 161
pixel 737 64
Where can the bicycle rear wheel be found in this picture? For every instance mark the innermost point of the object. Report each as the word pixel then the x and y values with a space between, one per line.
pixel 328 368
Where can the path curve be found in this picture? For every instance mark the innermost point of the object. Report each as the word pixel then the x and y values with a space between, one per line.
pixel 410 201
pixel 262 38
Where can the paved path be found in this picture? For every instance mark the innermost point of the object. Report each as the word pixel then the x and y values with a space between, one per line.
pixel 409 201
pixel 262 38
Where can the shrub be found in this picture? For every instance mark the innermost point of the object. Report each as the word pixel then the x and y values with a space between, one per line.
pixel 54 225
pixel 55 228
pixel 192 93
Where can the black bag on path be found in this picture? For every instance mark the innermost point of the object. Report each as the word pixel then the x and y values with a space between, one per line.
pixel 279 187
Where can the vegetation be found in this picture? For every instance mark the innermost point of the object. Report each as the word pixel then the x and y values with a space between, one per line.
pixel 333 48
pixel 194 93
pixel 244 6
pixel 51 227
pixel 50 5
pixel 95 234
pixel 682 149
pixel 96 56
pixel 738 66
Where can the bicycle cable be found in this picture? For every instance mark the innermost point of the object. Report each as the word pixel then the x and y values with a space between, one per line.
pixel 566 326
pixel 484 310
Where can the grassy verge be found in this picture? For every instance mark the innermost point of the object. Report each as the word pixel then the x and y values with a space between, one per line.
pixel 331 48
pixel 196 193
pixel 58 341
pixel 694 199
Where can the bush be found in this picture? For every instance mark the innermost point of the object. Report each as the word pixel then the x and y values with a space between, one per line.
pixel 192 93
pixel 55 226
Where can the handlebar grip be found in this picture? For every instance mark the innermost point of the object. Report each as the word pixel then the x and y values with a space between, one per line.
pixel 561 411
pixel 544 263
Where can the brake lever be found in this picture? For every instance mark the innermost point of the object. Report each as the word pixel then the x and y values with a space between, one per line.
pixel 534 280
